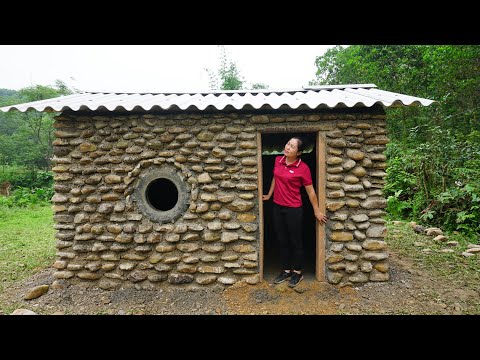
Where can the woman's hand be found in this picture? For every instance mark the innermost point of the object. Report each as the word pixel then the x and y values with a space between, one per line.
pixel 321 216
pixel 266 197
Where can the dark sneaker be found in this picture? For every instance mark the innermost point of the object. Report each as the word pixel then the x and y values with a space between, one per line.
pixel 282 277
pixel 295 279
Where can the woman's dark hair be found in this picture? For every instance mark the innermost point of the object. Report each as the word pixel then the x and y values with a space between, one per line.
pixel 300 143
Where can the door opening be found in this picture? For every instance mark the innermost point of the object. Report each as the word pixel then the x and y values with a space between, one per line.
pixel 272 146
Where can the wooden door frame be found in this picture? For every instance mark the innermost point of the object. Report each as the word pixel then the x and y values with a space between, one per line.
pixel 320 190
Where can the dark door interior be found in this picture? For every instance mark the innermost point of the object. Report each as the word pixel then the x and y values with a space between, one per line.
pixel 272 146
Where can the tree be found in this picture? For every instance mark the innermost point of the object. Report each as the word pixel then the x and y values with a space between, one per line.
pixel 434 152
pixel 228 77
pixel 259 86
pixel 26 138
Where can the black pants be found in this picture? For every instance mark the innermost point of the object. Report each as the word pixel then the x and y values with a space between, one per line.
pixel 287 222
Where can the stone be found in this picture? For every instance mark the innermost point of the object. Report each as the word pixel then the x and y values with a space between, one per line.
pixel 339 216
pixel 180 278
pixel 335 194
pixel 229 257
pixel 341 236
pixel 23 312
pixel 243 248
pixel 337 266
pixel 349 164
pixel 334 225
pixel 440 238
pixel 353 247
pixel 336 247
pixel 189 269
pixel 162 268
pixel 447 251
pixel 228 237
pixel 359 277
pixel 209 258
pixel 374 203
pixel 375 255
pixel 352 203
pixel 137 276
pixel 205 279
pixel 377 231
pixel 231 226
pixel 86 275
pixel 334 258
pixel 366 266
pixel 378 276
pixel 433 231
pixel 204 178
pixel 359 235
pixel 351 257
pixel 334 277
pixel 371 244
pixel 356 155
pixel 333 160
pixel 226 280
pixel 112 179
pixel 473 250
pixel 127 266
pixel 36 292
pixel 211 269
pixel 351 268
pixel 252 280
pixel 172 260
pixel 334 205
pixel 214 225
pixel 240 206
pixel 188 247
pixel 382 266
pixel 351 179
pixel 215 248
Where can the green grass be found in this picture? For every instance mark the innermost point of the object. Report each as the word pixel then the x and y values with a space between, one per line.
pixel 27 242
pixel 451 267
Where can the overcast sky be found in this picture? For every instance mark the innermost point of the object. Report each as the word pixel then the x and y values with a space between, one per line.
pixel 161 68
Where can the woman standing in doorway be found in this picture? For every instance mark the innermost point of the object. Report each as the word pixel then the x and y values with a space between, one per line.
pixel 289 175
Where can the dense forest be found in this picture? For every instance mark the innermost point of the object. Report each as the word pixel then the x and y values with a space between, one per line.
pixel 433 154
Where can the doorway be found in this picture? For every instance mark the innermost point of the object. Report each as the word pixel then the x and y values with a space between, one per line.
pixel 272 145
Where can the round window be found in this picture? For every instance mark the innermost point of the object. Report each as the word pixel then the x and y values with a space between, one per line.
pixel 161 194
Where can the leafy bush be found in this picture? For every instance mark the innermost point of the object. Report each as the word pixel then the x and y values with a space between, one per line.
pixel 20 177
pixel 437 181
pixel 23 197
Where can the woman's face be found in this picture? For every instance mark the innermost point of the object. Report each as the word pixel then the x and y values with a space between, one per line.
pixel 291 148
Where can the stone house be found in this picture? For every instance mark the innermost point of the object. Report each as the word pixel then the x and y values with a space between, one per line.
pixel 159 189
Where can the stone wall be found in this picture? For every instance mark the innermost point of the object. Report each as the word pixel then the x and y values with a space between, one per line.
pixel 105 240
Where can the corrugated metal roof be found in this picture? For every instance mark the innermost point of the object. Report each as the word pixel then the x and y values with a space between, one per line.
pixel 335 96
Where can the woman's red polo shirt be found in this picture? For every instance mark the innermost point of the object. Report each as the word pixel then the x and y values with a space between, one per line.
pixel 288 181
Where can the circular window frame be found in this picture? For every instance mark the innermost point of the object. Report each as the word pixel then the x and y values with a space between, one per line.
pixel 140 195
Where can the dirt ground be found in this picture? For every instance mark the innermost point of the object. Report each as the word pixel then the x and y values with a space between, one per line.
pixel 409 291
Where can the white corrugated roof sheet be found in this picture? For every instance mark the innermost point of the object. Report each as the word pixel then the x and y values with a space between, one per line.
pixel 320 97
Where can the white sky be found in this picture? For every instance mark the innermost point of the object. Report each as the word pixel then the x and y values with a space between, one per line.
pixel 155 68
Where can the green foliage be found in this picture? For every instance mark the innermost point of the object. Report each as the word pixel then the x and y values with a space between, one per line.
pixel 228 76
pixel 28 187
pixel 433 158
pixel 23 197
pixel 27 242
pixel 21 177
pixel 26 138
pixel 259 86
